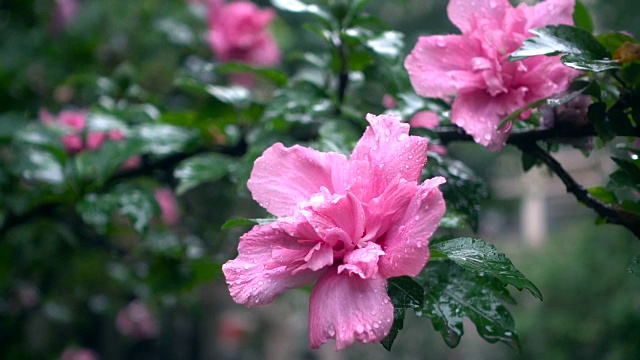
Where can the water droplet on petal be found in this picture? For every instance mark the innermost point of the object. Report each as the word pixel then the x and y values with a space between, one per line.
pixel 417 217
pixel 373 312
pixel 388 319
pixel 260 282
pixel 331 331
pixel 402 137
pixel 375 325
pixel 246 266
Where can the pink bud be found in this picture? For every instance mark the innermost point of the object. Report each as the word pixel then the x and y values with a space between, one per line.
pixel 168 206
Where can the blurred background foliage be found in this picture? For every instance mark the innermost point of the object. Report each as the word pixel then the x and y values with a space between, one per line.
pixel 144 68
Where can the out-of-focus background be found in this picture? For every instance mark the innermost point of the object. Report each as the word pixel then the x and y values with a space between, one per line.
pixel 591 307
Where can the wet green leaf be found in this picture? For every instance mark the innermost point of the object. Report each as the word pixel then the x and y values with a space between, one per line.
pixel 163 139
pixel 453 293
pixel 297 6
pixel 200 169
pixel 579 49
pixel 582 18
pixel 483 258
pixel 634 267
pixel 405 293
pixel 39 165
pixel 246 222
pixel 277 77
pixel 463 190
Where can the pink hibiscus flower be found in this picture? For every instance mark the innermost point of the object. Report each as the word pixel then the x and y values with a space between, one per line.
pixel 169 211
pixel 75 353
pixel 238 32
pixel 137 322
pixel 474 65
pixel 349 223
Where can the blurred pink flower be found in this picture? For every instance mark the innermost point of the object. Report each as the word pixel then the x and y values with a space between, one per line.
pixel 348 223
pixel 64 12
pixel 136 321
pixel 75 353
pixel 389 101
pixel 424 119
pixel 78 139
pixel 75 121
pixel 474 65
pixel 168 206
pixel 238 32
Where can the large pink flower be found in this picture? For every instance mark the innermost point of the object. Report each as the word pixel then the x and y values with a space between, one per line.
pixel 238 32
pixel 474 65
pixel 349 223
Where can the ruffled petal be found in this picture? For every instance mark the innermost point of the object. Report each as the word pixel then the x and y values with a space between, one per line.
pixel 549 12
pixel 388 151
pixel 284 177
pixel 470 15
pixel 439 65
pixel 268 258
pixel 406 245
pixel 362 262
pixel 479 114
pixel 348 308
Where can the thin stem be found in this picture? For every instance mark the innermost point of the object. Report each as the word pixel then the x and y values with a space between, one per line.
pixel 611 213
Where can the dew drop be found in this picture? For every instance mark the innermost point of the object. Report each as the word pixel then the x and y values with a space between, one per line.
pixel 388 319
pixel 331 331
pixel 385 301
pixel 246 266
pixel 386 139
pixel 417 217
pixel 410 157
pixel 402 137
pixel 260 282
pixel 373 312
pixel 375 325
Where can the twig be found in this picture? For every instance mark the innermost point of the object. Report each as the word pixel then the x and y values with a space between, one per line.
pixel 611 213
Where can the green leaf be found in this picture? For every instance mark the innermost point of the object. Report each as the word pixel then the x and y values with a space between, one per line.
pixel 528 162
pixel 634 267
pixel 389 45
pixel 453 293
pixel 453 220
pixel 580 49
pixel 297 6
pixel 302 102
pixel 98 165
pixel 630 167
pixel 39 165
pixel 604 195
pixel 246 222
pixel 582 18
pixel 10 123
pixel 200 169
pixel 463 190
pixel 405 293
pixel 612 41
pixel 138 205
pixel 203 271
pixel 277 77
pixel 483 258
pixel 163 139
pixel 598 117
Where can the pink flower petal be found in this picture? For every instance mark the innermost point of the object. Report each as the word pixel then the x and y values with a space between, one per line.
pixel 480 114
pixel 406 245
pixel 95 140
pixel 363 261
pixel 425 119
pixel 284 177
pixel 468 15
pixel 439 65
pixel 348 308
pixel 256 276
pixel 388 151
pixel 549 12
